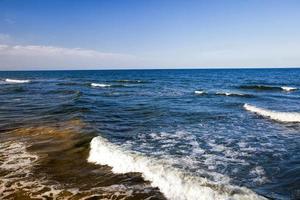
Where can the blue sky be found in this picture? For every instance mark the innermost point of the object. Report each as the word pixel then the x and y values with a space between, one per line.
pixel 73 34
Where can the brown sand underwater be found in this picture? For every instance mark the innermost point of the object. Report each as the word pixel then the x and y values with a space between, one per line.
pixel 50 162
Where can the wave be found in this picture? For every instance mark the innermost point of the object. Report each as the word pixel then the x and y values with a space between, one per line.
pixel 64 92
pixel 285 88
pixel 130 81
pixel 16 81
pixel 68 84
pixel 199 92
pixel 267 87
pixel 233 94
pixel 100 85
pixel 172 182
pixel 275 115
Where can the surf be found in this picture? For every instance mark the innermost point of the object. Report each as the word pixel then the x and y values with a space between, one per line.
pixel 199 92
pixel 173 183
pixel 275 115
pixel 288 89
pixel 8 80
pixel 100 85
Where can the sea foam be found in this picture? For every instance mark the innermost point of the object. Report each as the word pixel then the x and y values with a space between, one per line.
pixel 275 115
pixel 231 94
pixel 199 92
pixel 100 85
pixel 173 183
pixel 16 81
pixel 288 89
pixel 268 87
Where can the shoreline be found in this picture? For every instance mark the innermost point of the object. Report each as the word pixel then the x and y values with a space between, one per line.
pixel 51 161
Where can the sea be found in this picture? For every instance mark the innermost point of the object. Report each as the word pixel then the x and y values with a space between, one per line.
pixel 184 134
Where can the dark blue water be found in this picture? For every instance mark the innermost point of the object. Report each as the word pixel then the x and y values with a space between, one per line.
pixel 157 114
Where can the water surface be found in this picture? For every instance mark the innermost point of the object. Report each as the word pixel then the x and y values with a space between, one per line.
pixel 150 134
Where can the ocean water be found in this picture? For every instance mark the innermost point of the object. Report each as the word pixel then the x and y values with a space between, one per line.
pixel 150 134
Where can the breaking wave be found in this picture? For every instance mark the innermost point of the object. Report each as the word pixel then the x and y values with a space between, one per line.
pixel 285 88
pixel 275 115
pixel 16 81
pixel 267 87
pixel 233 94
pixel 199 92
pixel 100 85
pixel 174 183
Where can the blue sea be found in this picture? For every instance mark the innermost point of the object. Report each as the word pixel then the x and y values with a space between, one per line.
pixel 150 134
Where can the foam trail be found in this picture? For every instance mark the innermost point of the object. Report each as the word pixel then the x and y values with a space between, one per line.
pixel 288 89
pixel 199 92
pixel 99 85
pixel 174 183
pixel 230 94
pixel 129 81
pixel 224 93
pixel 268 87
pixel 16 81
pixel 278 116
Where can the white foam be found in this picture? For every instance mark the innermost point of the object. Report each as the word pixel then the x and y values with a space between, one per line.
pixel 230 94
pixel 17 164
pixel 278 116
pixel 174 183
pixel 199 92
pixel 288 89
pixel 191 153
pixel 100 85
pixel 16 81
pixel 224 93
pixel 260 175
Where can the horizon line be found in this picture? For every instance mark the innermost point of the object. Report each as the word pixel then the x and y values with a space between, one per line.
pixel 162 68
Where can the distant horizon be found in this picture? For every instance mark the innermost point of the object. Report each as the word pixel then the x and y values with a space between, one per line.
pixel 182 68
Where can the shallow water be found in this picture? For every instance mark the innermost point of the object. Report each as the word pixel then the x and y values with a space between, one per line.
pixel 147 134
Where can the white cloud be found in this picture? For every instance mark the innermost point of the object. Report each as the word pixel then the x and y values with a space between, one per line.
pixel 23 57
pixel 15 57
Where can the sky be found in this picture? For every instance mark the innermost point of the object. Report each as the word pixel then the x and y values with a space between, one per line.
pixel 122 34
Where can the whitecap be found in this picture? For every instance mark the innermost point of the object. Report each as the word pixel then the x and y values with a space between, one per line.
pixel 224 93
pixel 100 85
pixel 199 92
pixel 172 182
pixel 288 89
pixel 275 115
pixel 230 94
pixel 8 80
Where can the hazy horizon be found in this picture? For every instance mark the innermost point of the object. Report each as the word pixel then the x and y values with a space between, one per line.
pixel 153 68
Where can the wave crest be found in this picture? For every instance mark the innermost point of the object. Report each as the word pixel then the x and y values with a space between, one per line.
pixel 233 94
pixel 100 85
pixel 8 80
pixel 275 115
pixel 267 87
pixel 174 183
pixel 199 92
pixel 288 89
